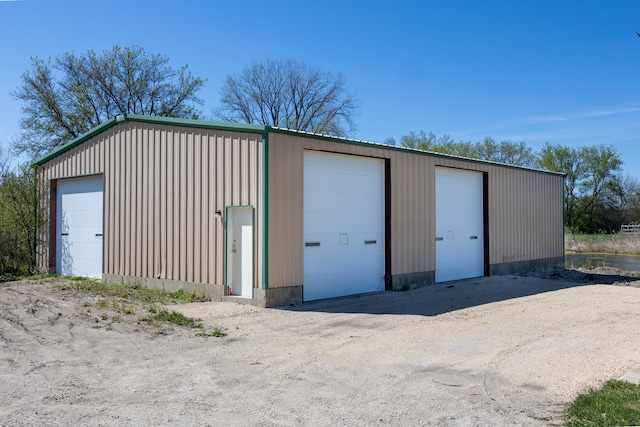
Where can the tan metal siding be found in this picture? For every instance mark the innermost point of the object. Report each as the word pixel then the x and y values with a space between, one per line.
pixel 163 185
pixel 525 208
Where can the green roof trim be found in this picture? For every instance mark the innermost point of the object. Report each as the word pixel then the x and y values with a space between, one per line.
pixel 169 121
pixel 201 124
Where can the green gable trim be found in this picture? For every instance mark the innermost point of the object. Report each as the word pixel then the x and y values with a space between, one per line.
pixel 405 149
pixel 77 141
pixel 167 121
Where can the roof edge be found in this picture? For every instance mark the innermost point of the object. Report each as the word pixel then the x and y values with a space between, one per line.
pixel 201 124
pixel 409 150
pixel 260 129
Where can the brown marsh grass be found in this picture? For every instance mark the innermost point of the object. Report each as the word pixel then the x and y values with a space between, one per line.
pixel 624 244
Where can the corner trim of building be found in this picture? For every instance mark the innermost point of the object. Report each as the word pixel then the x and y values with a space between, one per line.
pixel 265 212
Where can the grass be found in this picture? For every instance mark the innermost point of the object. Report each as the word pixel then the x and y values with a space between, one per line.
pixel 128 299
pixel 622 244
pixel 132 292
pixel 616 403
pixel 172 317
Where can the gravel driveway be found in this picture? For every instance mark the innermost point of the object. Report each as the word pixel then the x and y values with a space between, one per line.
pixel 501 350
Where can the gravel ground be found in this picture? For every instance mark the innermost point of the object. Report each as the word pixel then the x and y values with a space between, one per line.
pixel 504 350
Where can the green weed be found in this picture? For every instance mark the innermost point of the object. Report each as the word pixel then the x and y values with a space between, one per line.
pixel 216 333
pixel 616 403
pixel 172 317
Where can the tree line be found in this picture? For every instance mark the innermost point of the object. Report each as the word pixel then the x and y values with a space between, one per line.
pixel 66 96
pixel 598 198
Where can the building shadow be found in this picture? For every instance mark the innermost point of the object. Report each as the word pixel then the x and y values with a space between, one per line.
pixel 451 296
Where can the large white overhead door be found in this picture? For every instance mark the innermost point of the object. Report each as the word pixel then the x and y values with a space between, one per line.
pixel 459 225
pixel 343 225
pixel 79 226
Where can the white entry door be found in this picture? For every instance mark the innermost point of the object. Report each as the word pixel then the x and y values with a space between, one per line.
pixel 79 231
pixel 240 251
pixel 343 225
pixel 459 225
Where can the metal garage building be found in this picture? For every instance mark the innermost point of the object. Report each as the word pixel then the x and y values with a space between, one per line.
pixel 275 217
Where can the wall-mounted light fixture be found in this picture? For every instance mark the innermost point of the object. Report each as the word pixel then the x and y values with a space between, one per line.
pixel 218 213
pixel 120 118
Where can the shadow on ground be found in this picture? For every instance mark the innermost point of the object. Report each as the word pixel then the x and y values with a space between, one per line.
pixel 451 296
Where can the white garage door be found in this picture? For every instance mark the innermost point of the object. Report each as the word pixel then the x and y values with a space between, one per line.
pixel 459 225
pixel 343 225
pixel 79 227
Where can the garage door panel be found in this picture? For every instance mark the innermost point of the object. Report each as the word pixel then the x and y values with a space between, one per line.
pixel 79 242
pixel 335 183
pixel 353 223
pixel 332 285
pixel 338 246
pixel 341 203
pixel 344 214
pixel 339 264
pixel 459 224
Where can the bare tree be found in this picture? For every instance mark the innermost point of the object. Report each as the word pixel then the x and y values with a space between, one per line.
pixel 67 96
pixel 291 95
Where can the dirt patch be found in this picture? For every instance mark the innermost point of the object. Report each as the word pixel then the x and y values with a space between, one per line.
pixel 494 351
pixel 598 275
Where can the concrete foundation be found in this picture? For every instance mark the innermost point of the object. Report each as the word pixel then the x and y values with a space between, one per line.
pixel 278 297
pixel 215 292
pixel 404 282
pixel 523 267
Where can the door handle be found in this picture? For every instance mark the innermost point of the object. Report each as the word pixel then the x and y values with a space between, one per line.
pixel 473 237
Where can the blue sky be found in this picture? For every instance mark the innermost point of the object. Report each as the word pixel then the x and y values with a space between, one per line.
pixel 564 72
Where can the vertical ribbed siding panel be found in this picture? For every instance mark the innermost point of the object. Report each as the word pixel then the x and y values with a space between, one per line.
pixel 212 259
pixel 188 238
pixel 137 225
pixel 182 219
pixel 208 210
pixel 161 205
pixel 139 185
pixel 109 209
pixel 222 179
pixel 173 223
pixel 199 250
pixel 402 221
pixel 128 237
pixel 146 245
pixel 285 211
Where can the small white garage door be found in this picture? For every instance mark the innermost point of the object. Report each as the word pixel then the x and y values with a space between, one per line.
pixel 79 226
pixel 343 225
pixel 459 225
